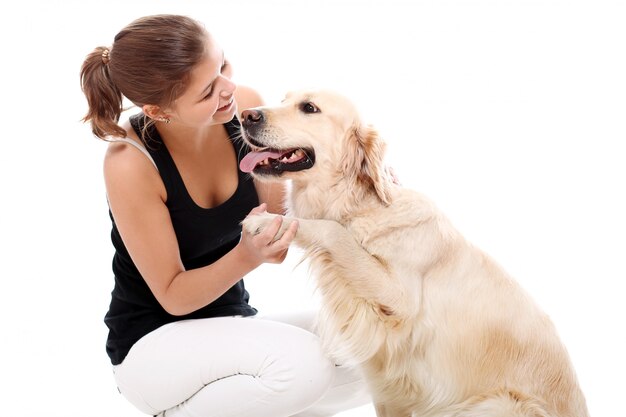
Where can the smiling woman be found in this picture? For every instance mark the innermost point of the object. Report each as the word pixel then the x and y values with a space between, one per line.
pixel 182 340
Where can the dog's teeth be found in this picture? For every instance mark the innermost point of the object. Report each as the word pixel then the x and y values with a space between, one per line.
pixel 293 156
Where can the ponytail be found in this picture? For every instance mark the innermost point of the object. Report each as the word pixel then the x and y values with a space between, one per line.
pixel 150 62
pixel 104 99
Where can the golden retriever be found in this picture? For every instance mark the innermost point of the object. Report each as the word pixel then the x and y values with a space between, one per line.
pixel 437 326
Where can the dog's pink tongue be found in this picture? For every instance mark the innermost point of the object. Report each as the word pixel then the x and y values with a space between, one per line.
pixel 252 159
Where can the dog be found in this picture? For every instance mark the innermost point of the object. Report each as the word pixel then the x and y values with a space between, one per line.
pixel 437 326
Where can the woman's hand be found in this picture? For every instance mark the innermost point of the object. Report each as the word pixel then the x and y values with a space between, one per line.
pixel 262 247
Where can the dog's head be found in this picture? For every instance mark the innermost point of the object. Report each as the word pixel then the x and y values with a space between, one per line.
pixel 313 135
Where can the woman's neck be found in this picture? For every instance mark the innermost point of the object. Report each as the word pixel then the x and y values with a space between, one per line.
pixel 183 139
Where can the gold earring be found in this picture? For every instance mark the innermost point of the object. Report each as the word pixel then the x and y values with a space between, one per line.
pixel 164 120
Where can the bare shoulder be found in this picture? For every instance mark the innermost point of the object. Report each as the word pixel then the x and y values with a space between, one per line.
pixel 247 97
pixel 126 166
pixel 121 153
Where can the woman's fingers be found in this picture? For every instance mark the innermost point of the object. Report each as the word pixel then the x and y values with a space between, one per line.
pixel 270 243
pixel 267 235
pixel 288 236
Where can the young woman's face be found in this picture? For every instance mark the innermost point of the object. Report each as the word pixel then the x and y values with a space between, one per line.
pixel 209 97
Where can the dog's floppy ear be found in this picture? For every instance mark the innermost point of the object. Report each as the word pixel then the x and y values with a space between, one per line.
pixel 363 157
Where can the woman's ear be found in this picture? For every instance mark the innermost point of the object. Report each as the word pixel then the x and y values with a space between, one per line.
pixel 364 158
pixel 154 112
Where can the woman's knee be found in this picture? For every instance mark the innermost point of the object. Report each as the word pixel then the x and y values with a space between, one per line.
pixel 304 373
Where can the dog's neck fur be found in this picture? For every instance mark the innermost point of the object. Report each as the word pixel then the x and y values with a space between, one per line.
pixel 331 200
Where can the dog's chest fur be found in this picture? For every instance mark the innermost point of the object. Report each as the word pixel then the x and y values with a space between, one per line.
pixel 371 224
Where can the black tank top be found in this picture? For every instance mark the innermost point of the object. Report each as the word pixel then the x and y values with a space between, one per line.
pixel 204 236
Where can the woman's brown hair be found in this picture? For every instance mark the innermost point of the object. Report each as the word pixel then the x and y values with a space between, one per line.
pixel 149 63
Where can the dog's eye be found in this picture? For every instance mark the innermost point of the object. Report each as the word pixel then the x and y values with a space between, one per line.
pixel 308 107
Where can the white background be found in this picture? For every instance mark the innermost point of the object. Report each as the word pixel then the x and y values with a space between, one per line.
pixel 509 114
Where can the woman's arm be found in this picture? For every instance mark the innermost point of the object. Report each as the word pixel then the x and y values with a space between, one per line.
pixel 273 194
pixel 137 198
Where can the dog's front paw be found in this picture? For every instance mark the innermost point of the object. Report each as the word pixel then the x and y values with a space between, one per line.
pixel 256 223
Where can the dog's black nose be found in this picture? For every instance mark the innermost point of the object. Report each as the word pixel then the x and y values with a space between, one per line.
pixel 252 116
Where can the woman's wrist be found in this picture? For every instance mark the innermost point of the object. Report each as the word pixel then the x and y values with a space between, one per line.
pixel 244 258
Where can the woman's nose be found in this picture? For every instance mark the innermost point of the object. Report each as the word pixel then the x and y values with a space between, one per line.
pixel 228 88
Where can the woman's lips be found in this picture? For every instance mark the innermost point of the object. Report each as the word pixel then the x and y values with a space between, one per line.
pixel 227 106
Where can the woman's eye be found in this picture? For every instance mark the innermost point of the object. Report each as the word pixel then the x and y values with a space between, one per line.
pixel 309 107
pixel 222 68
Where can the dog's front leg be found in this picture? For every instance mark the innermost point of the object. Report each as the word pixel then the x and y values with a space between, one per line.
pixel 367 276
pixel 362 298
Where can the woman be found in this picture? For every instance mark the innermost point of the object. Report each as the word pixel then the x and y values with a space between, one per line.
pixel 182 337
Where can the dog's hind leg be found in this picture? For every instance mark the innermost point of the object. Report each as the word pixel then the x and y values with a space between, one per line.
pixel 386 410
pixel 501 403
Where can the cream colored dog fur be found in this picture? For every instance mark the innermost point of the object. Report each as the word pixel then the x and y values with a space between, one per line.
pixel 438 327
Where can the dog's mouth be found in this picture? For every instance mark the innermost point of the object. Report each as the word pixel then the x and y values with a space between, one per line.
pixel 275 161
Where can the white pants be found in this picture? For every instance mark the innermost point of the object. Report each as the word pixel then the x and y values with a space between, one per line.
pixel 234 367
